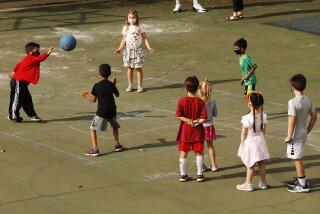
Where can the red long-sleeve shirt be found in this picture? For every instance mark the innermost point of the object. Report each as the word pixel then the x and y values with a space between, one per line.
pixel 28 69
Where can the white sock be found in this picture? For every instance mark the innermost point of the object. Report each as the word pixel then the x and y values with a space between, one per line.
pixel 183 166
pixel 199 164
pixel 302 181
pixel 196 3
pixel 178 2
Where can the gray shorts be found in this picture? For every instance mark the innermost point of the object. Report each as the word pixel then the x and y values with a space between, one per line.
pixel 100 123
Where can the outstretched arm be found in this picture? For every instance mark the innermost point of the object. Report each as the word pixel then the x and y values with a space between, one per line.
pixel 86 94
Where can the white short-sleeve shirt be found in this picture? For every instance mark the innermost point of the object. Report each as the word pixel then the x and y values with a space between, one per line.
pixel 247 122
pixel 133 35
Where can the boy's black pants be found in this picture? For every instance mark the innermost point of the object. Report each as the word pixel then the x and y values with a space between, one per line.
pixel 237 5
pixel 20 97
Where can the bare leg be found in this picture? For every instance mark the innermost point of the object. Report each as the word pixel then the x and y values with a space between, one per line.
pixel 212 152
pixel 249 177
pixel 299 167
pixel 183 154
pixel 94 140
pixel 130 78
pixel 116 135
pixel 139 76
pixel 262 171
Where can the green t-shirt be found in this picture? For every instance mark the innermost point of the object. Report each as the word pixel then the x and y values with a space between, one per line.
pixel 246 63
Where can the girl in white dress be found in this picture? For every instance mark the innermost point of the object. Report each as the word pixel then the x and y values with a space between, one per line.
pixel 253 149
pixel 133 57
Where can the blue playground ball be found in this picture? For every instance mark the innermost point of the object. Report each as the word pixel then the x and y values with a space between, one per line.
pixel 68 42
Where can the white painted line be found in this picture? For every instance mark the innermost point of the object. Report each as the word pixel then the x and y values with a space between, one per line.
pixel 69 154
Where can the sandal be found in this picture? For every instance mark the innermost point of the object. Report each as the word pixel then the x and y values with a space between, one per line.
pixel 240 16
pixel 232 18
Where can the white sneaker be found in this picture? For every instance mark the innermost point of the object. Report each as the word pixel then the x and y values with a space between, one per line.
pixel 245 187
pixel 263 185
pixel 198 8
pixel 129 88
pixel 213 168
pixel 177 9
pixel 140 89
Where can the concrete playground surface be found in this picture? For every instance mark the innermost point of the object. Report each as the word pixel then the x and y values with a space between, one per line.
pixel 43 169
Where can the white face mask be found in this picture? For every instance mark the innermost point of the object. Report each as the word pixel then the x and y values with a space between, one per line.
pixel 132 21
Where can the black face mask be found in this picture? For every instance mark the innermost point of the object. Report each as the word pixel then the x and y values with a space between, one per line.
pixel 237 51
pixel 36 53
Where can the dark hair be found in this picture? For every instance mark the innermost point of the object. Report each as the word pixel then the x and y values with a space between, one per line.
pixel 299 82
pixel 256 100
pixel 241 43
pixel 191 84
pixel 31 46
pixel 105 70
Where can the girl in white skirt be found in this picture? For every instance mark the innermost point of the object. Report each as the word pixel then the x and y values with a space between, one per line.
pixel 253 149
pixel 133 57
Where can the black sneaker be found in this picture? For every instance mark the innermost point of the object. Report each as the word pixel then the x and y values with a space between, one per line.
pixel 299 188
pixel 184 178
pixel 92 153
pixel 200 178
pixel 296 182
pixel 118 148
pixel 35 118
pixel 18 119
pixel 293 183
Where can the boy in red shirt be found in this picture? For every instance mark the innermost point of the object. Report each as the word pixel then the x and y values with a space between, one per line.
pixel 25 72
pixel 191 111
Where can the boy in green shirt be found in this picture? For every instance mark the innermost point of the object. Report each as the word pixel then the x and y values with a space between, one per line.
pixel 248 67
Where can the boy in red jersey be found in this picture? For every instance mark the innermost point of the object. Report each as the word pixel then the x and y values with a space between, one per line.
pixel 25 72
pixel 191 111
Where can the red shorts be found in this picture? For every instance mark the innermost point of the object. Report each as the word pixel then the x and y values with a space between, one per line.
pixel 210 133
pixel 197 146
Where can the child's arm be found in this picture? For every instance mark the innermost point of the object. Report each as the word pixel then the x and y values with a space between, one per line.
pixel 247 76
pixel 244 133
pixel 264 129
pixel 116 92
pixel 291 126
pixel 121 46
pixel 215 110
pixel 41 57
pixel 90 97
pixel 185 120
pixel 198 122
pixel 312 121
pixel 14 70
pixel 146 42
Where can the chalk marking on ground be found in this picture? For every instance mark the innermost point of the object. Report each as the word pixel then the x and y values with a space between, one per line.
pixel 46 146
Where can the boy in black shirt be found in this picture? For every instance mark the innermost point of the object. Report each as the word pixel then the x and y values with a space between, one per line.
pixel 107 109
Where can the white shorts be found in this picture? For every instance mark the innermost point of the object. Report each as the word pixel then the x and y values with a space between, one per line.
pixel 295 149
pixel 100 123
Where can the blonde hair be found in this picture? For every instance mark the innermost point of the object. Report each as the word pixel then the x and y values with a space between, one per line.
pixel 135 13
pixel 205 90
